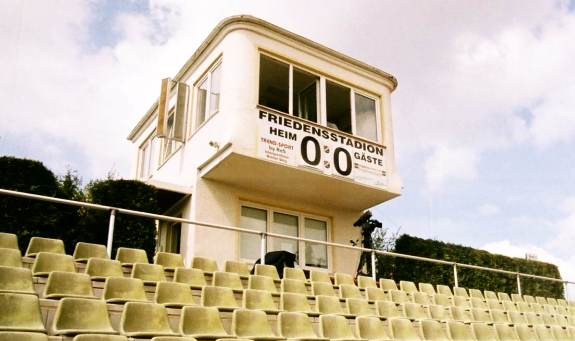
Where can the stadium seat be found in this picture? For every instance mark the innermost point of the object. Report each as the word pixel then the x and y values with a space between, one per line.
pixel 173 294
pixel 193 277
pixel 377 294
pixel 523 307
pixel 262 283
pixel 121 290
pixel 296 326
pixel 259 300
pixel 525 332
pixel 433 330
pixel 484 332
pixel 10 257
pixel 202 323
pixel 499 316
pixel 461 301
pixel 562 302
pixel 335 327
pixel 145 320
pixel 20 312
pixel 541 300
pixel 478 303
pixel 534 318
pixel 295 303
pixel 294 273
pixel 549 320
pixel 47 262
pixel 365 282
pixel 205 264
pixel 322 288
pixel 99 337
pixel 293 286
pixel 82 316
pixel 439 313
pixel 100 269
pixel 459 331
pixel 407 286
pixel 23 336
pixel 461 314
pixel 481 315
pixel 267 270
pixel 414 311
pixel 129 256
pixel 169 261
pixel 460 292
pixel 421 298
pixel 427 288
pixel 399 296
pixel 516 298
pixel 509 306
pixel 358 307
pixel 84 251
pixel 349 291
pixel 552 301
pixel 543 333
pixel 516 317
pixel 68 284
pixel 173 338
pixel 240 268
pixel 503 296
pixel 371 328
pixel 528 299
pixel 388 309
pixel 16 280
pixel 442 299
pixel 490 295
pixel 343 278
pixel 219 297
pixel 476 293
pixel 9 241
pixel 252 324
pixel 402 329
pixel 319 276
pixel 496 305
pixel 329 305
pixel 228 280
pixel 39 244
pixel 444 289
pixel 387 284
pixel 149 273
pixel 537 308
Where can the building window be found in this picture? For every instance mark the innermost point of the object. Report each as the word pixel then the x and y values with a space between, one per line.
pixel 365 117
pixel 170 236
pixel 169 142
pixel 148 158
pixel 338 107
pixel 286 223
pixel 208 94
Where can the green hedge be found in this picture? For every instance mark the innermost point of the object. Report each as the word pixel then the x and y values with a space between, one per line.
pixel 417 271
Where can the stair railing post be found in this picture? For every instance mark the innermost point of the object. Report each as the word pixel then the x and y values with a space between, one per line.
pixel 111 232
pixel 263 247
pixel 519 284
pixel 373 259
pixel 455 279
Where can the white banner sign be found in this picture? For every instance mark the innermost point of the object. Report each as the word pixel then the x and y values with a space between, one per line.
pixel 295 142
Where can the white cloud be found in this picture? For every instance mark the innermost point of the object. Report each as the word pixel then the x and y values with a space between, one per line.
pixel 488 210
pixel 446 165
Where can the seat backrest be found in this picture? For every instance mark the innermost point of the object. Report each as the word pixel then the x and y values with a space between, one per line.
pixel 80 315
pixel 319 276
pixel 459 331
pixel 343 278
pixel 227 279
pixel 262 283
pixel 525 332
pixel 422 298
pixel 377 294
pixel 99 268
pixel 387 309
pixel 293 325
pixel 294 302
pixel 476 293
pixel 358 307
pixel 349 291
pixel 481 315
pixel 516 317
pixel 193 277
pixel 442 299
pixel 499 316
pixel 128 255
pixel 16 280
pixel 294 273
pixel 461 314
pixel 444 289
pixel 267 270
pixel 251 323
pixel 8 241
pixel 148 272
pixel 460 292
pixel 516 298
pixel 205 264
pixel 439 312
pixel 509 306
pixel 387 284
pixel 427 288
pixel 528 299
pixel 541 300
pixel 402 329
pixel 220 297
pixel 329 305
pixel 321 288
pixel 202 322
pixel 560 334
pixel 68 284
pixel 484 332
pixel 415 311
pixel 84 251
pixel 399 296
pixel 506 332
pixel 173 294
pixel 433 330
pixel 39 244
pixel 496 305
pixel 533 318
pixel 137 320
pixel 543 332
pixel 503 296
pixel 552 301
pixel 488 294
pixel 47 262
pixel 478 303
pixel 461 301
pixel 169 260
pixel 241 268
pixel 120 289
pixel 366 282
pixel 371 328
pixel 10 257
pixel 20 312
pixel 259 300
pixel 293 286
pixel 523 307
pixel 408 286
pixel 334 327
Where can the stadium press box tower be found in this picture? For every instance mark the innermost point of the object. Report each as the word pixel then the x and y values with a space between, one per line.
pixel 267 130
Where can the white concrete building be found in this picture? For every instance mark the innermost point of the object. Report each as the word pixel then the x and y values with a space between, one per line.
pixel 267 130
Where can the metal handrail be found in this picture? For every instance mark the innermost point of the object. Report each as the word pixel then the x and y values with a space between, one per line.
pixel 117 210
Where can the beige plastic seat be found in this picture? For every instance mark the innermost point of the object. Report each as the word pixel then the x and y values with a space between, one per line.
pixel 499 316
pixel 433 330
pixel 252 324
pixel 172 338
pixel 549 320
pixel 444 289
pixel 459 331
pixel 461 314
pixel 537 308
pixel 219 297
pixel 329 305
pixel 359 307
pixel 524 307
pixel 388 309
pixel 562 302
pixel 9 241
pixel 377 294
pixel 82 316
pixel 39 244
pixel 506 332
pixel 68 284
pixel 193 277
pixel 16 280
pixel 541 300
pixel 169 260
pixel 491 295
pixel 461 301
pixel 295 303
pixel 20 312
pixel 294 273
pixel 149 273
pixel 202 323
pixel 476 293
pixel 484 332
pixel 259 300
pixel 525 332
pixel 267 270
pixel 173 294
pixel 439 313
pixel 560 333
pixel 460 292
pixel 46 262
pixel 335 327
pixel 387 284
pixel 228 280
pixel 120 290
pixel 294 286
pixel 349 291
pixel 129 256
pixel 543 332
pixel 534 318
pixel 145 320
pixel 99 337
pixel 84 251
pixel 516 298
pixel 516 317
pixel 552 301
pixel 319 276
pixel 296 326
pixel 503 296
pixel 528 299
pixel 365 282
pixel 496 305
pixel 343 278
pixel 371 328
pixel 99 269
pixel 427 288
pixel 510 306
pixel 322 288
pixel 262 283
pixel 22 336
pixel 240 268
pixel 481 315
pixel 442 299
pixel 402 330
pixel 408 286
pixel 478 303
pixel 399 296
pixel 10 257
pixel 205 264
pixel 422 298
pixel 414 311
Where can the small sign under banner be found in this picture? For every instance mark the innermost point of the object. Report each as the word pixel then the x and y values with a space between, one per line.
pixel 295 142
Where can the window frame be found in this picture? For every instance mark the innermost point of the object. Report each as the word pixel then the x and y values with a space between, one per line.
pixel 270 210
pixel 141 157
pixel 169 139
pixel 206 75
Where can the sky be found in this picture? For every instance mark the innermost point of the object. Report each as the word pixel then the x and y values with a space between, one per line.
pixel 484 118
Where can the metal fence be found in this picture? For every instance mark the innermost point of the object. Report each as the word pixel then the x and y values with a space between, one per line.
pixel 264 235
